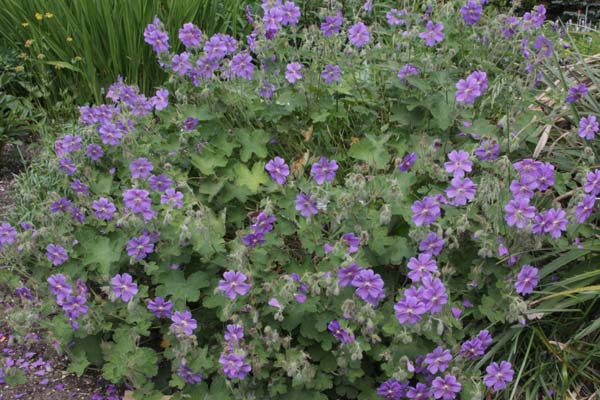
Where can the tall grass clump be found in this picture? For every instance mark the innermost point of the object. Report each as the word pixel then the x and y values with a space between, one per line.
pixel 79 47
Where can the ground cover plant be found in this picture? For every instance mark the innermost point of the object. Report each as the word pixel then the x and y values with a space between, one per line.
pixel 349 209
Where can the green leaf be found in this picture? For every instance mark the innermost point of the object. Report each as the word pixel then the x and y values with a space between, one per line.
pixel 173 283
pixel 253 142
pixel 14 376
pixel 125 359
pixel 101 252
pixel 372 150
pixel 79 362
pixel 208 160
pixel 252 179
pixel 201 112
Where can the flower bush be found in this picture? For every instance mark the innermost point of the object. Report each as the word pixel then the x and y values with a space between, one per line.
pixel 344 210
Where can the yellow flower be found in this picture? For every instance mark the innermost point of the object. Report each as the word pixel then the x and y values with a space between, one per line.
pixel 77 59
pixel 25 24
pixel 39 16
pixel 58 67
pixel 19 68
pixel 48 15
pixel 23 55
pixel 69 39
pixel 41 56
pixel 28 42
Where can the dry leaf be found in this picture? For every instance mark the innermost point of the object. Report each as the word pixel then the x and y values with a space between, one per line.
pixel 307 134
pixel 129 396
pixel 299 162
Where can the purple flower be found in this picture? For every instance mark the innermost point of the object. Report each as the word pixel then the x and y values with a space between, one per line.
pixel 588 127
pixel 293 72
pixel 190 123
pixel 409 310
pixel 56 254
pixel 488 150
pixel 347 274
pixel 432 244
pixel 183 323
pixel 104 209
pixel 445 388
pixel 234 366
pixel 408 70
pixel 332 24
pixel 555 222
pixel 352 241
pixel 160 307
pixel 471 12
pixel 94 152
pixel 67 166
pixel 524 188
pixel 498 375
pixel 459 163
pixel 160 100
pixel 141 168
pixel 407 162
pixel 359 35
pixel 138 202
pixel 234 334
pixel 123 287
pixel 467 90
pixel 253 239
pixel 190 35
pixel 172 198
pixel 290 13
pixel 592 182
pixel 434 294
pixel 79 187
pixel 423 265
pixel 456 312
pixel 278 170
pixel 462 190
pixel 433 33
pixel 340 334
pixel 527 279
pixel 74 306
pixel 62 205
pixel 438 360
pixel 393 17
pixel 234 284
pixel 392 389
pixel 472 348
pixel 8 234
pixel 584 208
pixel 306 205
pixel 331 73
pixel 509 27
pixel 369 286
pixel 266 90
pixel 110 134
pixel 273 302
pixel 155 37
pixel 518 213
pixel 576 93
pixel 241 66
pixel 160 182
pixel 324 170
pixel 544 46
pixel 187 374
pixel 140 247
pixel 425 212
pixel 59 286
pixel 419 392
